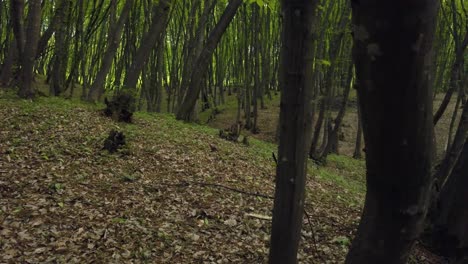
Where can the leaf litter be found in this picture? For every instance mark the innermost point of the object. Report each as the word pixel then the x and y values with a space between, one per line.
pixel 64 200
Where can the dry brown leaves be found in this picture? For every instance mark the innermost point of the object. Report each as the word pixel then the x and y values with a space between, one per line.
pixel 63 200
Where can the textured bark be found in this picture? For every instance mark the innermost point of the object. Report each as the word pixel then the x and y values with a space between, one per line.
pixel 392 53
pixel 203 61
pixel 295 130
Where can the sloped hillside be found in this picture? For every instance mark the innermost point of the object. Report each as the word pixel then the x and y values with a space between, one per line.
pixel 176 194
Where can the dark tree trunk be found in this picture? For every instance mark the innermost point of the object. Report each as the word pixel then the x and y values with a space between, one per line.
pixel 78 47
pixel 357 149
pixel 7 67
pixel 201 65
pixel 56 21
pixel 318 127
pixel 194 45
pixel 30 48
pixel 295 131
pixel 332 144
pixel 454 80
pixel 17 13
pixel 456 148
pixel 450 233
pixel 158 25
pixel 393 54
pixel 114 37
pixel 60 59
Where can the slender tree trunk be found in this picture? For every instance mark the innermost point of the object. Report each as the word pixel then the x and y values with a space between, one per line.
pixel 318 127
pixel 201 64
pixel 78 48
pixel 7 67
pixel 357 149
pixel 295 131
pixel 454 79
pixel 396 104
pixel 332 144
pixel 456 148
pixel 17 13
pixel 158 26
pixel 55 22
pixel 450 232
pixel 113 43
pixel 453 120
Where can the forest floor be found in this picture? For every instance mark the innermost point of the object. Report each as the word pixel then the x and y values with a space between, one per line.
pixel 176 194
pixel 268 118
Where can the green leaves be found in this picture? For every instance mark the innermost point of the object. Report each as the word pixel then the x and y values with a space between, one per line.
pixel 326 63
pixel 264 3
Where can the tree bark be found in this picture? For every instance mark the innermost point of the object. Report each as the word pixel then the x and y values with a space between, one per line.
pixel 17 13
pixel 450 233
pixel 455 150
pixel 295 130
pixel 393 54
pixel 203 61
pixel 7 67
pixel 454 80
pixel 158 25
pixel 332 144
pixel 60 58
pixel 357 149
pixel 113 44
pixel 30 48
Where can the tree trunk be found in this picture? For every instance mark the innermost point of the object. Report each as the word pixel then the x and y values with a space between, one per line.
pixel 357 149
pixel 295 131
pixel 30 48
pixel 7 67
pixel 454 79
pixel 450 233
pixel 332 144
pixel 113 43
pixel 60 59
pixel 393 54
pixel 203 61
pixel 318 127
pixel 456 148
pixel 17 13
pixel 56 21
pixel 158 25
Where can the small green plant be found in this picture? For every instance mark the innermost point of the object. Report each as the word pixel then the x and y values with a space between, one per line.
pixel 56 187
pixel 342 240
pixel 119 220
